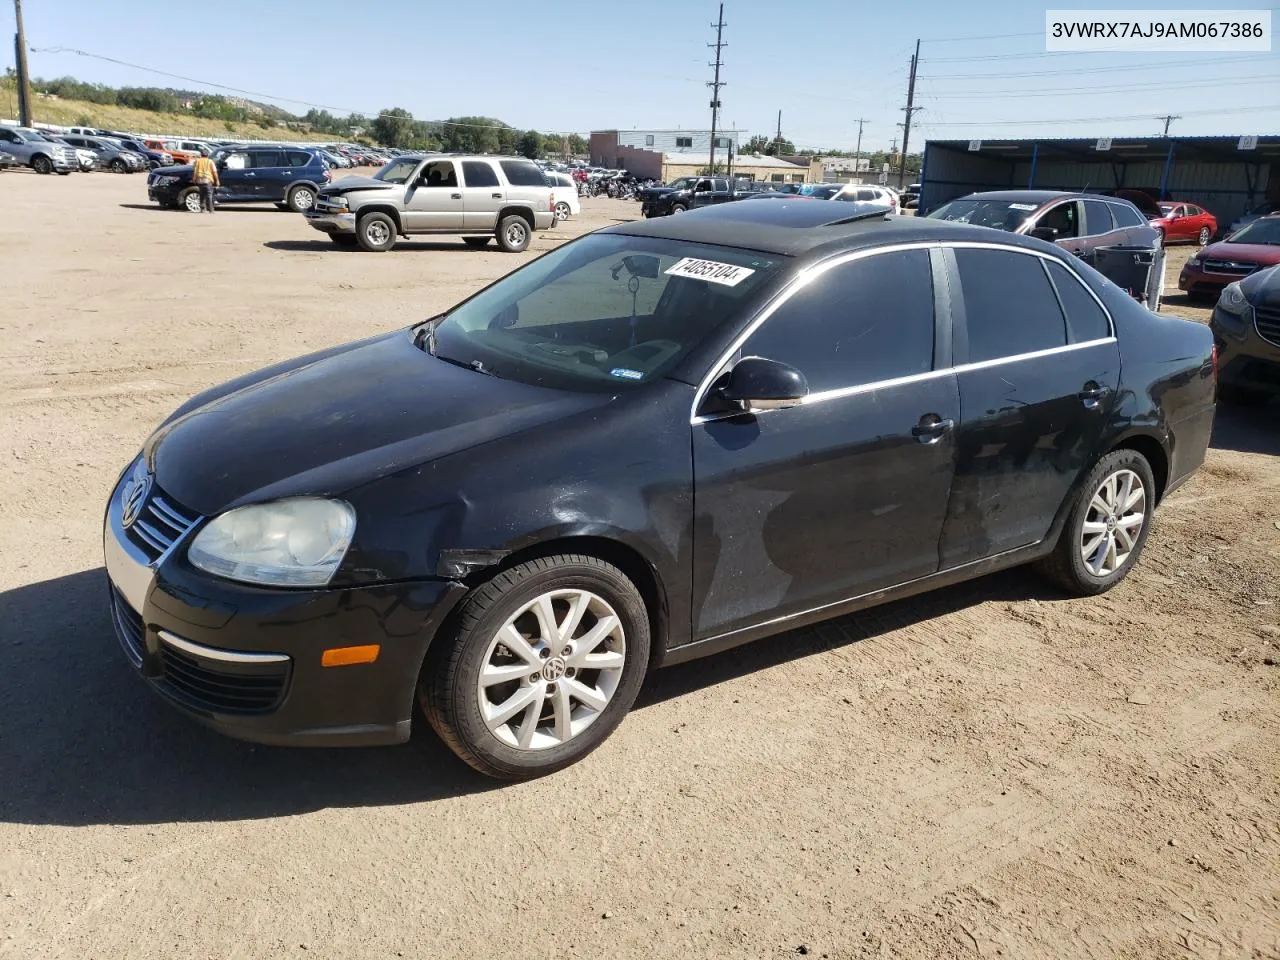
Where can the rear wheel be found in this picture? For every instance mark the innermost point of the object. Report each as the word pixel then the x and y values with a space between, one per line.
pixel 1203 238
pixel 1107 528
pixel 189 200
pixel 476 243
pixel 301 198
pixel 376 232
pixel 546 659
pixel 562 211
pixel 42 164
pixel 514 234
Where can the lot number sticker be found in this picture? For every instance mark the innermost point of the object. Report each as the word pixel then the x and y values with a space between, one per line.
pixel 711 271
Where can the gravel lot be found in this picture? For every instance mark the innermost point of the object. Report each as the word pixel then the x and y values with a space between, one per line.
pixel 989 770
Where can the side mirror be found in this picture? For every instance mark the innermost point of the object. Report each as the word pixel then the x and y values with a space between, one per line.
pixel 758 383
pixel 1045 233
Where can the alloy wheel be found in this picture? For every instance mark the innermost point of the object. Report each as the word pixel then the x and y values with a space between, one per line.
pixel 516 234
pixel 193 203
pixel 1113 523
pixel 376 232
pixel 562 211
pixel 551 669
pixel 1204 236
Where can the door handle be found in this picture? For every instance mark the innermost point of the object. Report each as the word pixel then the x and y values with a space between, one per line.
pixel 1091 394
pixel 250 174
pixel 932 428
pixel 497 196
pixel 456 196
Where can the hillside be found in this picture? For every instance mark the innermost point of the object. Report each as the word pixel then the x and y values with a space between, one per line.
pixel 75 112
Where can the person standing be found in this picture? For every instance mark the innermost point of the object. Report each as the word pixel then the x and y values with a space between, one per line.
pixel 204 174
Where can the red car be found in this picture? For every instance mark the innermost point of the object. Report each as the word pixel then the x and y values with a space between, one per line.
pixel 1246 251
pixel 1185 222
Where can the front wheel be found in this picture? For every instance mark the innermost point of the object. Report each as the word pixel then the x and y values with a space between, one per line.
pixel 546 660
pixel 376 232
pixel 678 208
pixel 189 200
pixel 514 234
pixel 42 164
pixel 1107 528
pixel 119 166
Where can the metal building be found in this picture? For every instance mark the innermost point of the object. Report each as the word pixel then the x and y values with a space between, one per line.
pixel 1225 175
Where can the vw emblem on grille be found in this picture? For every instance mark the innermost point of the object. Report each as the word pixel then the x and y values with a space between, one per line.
pixel 136 489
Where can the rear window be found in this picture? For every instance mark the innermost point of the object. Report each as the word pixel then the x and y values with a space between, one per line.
pixel 523 174
pixel 299 159
pixel 1097 218
pixel 1127 216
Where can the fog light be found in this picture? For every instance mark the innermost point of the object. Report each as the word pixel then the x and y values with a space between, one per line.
pixel 346 656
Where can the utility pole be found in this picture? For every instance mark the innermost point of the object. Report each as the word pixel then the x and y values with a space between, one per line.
pixel 857 162
pixel 715 84
pixel 910 110
pixel 24 79
pixel 1168 120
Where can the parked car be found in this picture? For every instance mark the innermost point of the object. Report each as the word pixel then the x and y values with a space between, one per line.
pixel 492 512
pixel 1183 222
pixel 289 177
pixel 477 198
pixel 911 197
pixel 179 154
pixel 1264 209
pixel 870 193
pixel 7 160
pixel 154 158
pixel 35 150
pixel 336 159
pixel 564 195
pixel 1246 329
pixel 647 194
pixel 108 156
pixel 697 192
pixel 1248 250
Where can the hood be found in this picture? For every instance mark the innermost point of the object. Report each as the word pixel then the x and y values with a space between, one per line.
pixel 347 184
pixel 1263 287
pixel 174 170
pixel 341 421
pixel 1261 253
pixel 1144 201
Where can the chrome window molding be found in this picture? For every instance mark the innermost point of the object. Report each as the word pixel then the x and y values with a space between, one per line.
pixel 809 274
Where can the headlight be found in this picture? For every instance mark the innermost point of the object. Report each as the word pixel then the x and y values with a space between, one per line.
pixel 287 543
pixel 337 203
pixel 1232 299
pixel 165 181
pixel 1194 262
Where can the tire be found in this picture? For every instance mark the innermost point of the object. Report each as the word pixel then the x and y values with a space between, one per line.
pixel 300 198
pixel 189 200
pixel 42 164
pixel 476 243
pixel 1234 396
pixel 562 211
pixel 1066 566
pixel 119 166
pixel 1204 236
pixel 450 691
pixel 376 232
pixel 514 234
pixel 678 208
pixel 345 240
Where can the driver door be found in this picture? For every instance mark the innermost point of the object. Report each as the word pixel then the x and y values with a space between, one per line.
pixel 702 194
pixel 234 176
pixel 1066 219
pixel 433 201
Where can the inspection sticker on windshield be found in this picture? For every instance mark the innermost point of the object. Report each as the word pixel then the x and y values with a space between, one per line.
pixel 1023 206
pixel 711 271
pixel 626 374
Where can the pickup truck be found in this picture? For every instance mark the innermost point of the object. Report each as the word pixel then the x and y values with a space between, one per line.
pixel 690 192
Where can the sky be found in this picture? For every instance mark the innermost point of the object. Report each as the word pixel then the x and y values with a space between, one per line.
pixel 576 67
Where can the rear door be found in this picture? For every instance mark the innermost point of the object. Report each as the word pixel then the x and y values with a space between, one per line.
pixel 1100 228
pixel 720 191
pixel 434 202
pixel 482 195
pixel 1038 371
pixel 271 174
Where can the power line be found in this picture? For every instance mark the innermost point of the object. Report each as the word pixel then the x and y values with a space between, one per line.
pixel 1088 71
pixel 1168 119
pixel 1137 87
pixel 1221 111
pixel 989 36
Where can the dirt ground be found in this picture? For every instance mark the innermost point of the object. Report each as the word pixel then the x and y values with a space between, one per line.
pixel 987 771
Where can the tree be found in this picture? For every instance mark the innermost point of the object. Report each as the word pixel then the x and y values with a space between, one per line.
pixel 393 127
pixel 472 135
pixel 769 146
pixel 530 144
pixel 578 144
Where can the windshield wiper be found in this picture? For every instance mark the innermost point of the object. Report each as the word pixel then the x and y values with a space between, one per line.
pixel 476 365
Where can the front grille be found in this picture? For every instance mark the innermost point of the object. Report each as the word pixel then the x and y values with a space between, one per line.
pixel 1267 320
pixel 159 525
pixel 222 688
pixel 129 630
pixel 1230 267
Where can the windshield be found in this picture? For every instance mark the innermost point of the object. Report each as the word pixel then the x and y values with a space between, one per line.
pixel 397 171
pixel 1001 214
pixel 603 313
pixel 682 183
pixel 820 191
pixel 1266 230
pixel 1167 207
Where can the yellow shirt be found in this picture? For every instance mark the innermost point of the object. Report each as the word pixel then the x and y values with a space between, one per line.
pixel 203 171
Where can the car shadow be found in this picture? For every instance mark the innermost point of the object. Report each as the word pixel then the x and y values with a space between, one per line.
pixel 1246 429
pixel 402 246
pixel 85 742
pixel 228 207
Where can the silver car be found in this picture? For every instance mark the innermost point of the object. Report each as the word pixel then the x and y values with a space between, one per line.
pixel 476 198
pixel 38 151
pixel 108 155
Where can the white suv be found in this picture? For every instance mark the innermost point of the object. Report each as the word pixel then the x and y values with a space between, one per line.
pixel 871 193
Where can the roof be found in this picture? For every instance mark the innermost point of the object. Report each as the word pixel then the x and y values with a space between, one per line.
pixel 689 157
pixel 800 227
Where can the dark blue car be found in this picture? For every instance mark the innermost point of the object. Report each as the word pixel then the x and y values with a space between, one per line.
pixel 286 176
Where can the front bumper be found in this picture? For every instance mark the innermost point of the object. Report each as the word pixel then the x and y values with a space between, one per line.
pixel 1198 280
pixel 246 661
pixel 331 222
pixel 1245 358
pixel 165 195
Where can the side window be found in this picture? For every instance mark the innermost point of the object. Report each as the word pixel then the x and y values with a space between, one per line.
pixel 859 323
pixel 237 161
pixel 866 195
pixel 702 186
pixel 299 159
pixel 440 173
pixel 1126 215
pixel 1062 218
pixel 523 173
pixel 648 139
pixel 8 137
pixel 1009 306
pixel 1097 218
pixel 721 186
pixel 1085 319
pixel 477 173
pixel 684 142
pixel 1193 210
pixel 267 158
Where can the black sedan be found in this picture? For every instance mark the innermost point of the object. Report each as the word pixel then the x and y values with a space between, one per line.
pixel 656 442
